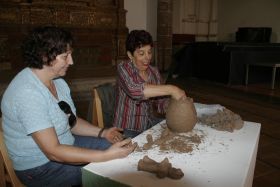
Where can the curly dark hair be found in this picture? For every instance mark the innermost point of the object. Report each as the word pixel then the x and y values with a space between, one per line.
pixel 137 39
pixel 43 44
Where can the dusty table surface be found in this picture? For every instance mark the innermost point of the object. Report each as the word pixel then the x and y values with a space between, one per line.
pixel 221 159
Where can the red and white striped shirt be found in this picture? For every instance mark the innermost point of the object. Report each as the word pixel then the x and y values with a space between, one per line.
pixel 132 109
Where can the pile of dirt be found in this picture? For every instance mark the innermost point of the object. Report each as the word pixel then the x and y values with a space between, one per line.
pixel 172 141
pixel 223 120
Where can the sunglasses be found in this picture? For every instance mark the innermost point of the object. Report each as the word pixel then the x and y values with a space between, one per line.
pixel 67 110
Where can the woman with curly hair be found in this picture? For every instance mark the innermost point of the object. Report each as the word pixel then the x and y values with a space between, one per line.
pixel 47 142
pixel 139 89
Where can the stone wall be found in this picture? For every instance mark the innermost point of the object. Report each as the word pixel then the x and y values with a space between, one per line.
pixel 98 27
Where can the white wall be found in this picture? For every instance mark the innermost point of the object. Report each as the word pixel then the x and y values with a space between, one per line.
pixel 197 17
pixel 152 18
pixel 142 14
pixel 136 15
pixel 248 13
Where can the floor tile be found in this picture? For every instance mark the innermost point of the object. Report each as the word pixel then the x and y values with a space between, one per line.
pixel 262 169
pixel 269 180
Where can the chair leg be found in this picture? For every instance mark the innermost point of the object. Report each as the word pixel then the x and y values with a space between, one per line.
pixel 97 109
pixel 273 77
pixel 247 74
pixel 2 173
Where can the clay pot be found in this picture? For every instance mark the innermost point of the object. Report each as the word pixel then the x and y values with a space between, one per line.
pixel 181 115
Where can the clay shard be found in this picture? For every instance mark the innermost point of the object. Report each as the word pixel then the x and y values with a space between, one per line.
pixel 149 143
pixel 181 115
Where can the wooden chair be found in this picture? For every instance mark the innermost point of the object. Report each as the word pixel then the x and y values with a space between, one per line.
pixel 97 115
pixel 103 94
pixel 7 173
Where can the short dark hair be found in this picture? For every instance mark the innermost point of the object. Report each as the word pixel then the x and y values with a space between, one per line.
pixel 43 44
pixel 137 39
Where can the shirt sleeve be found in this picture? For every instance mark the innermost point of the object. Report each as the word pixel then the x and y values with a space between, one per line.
pixel 162 102
pixel 32 111
pixel 129 81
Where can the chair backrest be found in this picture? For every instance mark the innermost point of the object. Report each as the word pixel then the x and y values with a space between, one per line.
pixel 103 105
pixel 7 173
pixel 97 115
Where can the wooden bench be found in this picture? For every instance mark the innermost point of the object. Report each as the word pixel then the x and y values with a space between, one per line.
pixel 274 66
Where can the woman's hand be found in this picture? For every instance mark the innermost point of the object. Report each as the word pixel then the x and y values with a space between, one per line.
pixel 121 149
pixel 178 93
pixel 113 134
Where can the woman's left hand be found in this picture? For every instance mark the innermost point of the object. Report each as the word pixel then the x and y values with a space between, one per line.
pixel 178 93
pixel 113 134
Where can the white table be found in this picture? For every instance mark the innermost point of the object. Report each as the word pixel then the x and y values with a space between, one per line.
pixel 223 159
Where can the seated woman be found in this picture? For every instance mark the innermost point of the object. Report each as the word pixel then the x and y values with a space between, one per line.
pixel 139 87
pixel 47 142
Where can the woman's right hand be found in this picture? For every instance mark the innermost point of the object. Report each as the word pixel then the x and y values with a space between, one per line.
pixel 121 149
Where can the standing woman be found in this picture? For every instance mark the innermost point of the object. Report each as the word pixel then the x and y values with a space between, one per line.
pixel 140 88
pixel 47 142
